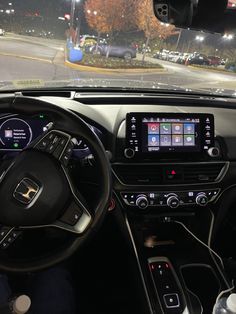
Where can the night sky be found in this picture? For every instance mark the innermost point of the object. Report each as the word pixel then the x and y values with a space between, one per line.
pixel 43 7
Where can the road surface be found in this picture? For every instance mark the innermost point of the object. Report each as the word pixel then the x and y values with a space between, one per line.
pixel 28 58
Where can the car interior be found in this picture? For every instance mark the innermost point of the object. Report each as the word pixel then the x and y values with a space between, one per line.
pixel 133 191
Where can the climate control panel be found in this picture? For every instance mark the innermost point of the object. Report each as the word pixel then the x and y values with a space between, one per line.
pixel 143 200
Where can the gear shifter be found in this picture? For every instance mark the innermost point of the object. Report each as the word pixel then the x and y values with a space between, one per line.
pixel 19 305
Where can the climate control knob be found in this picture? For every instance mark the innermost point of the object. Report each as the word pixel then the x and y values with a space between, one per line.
pixel 202 199
pixel 142 201
pixel 173 201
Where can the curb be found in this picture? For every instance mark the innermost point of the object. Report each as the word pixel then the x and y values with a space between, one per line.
pixel 111 71
pixel 211 70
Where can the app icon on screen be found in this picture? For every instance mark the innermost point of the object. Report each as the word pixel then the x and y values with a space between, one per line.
pixel 189 128
pixel 8 133
pixel 165 128
pixel 165 140
pixel 177 140
pixel 153 140
pixel 153 128
pixel 177 128
pixel 189 140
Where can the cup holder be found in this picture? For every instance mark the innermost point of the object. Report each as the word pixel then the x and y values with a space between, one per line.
pixel 201 281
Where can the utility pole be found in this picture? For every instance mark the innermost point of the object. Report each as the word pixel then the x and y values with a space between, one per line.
pixel 178 40
pixel 72 14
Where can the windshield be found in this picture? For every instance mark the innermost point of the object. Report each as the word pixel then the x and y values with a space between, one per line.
pixel 109 43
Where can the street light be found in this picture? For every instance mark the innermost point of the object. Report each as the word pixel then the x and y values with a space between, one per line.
pixel 94 12
pixel 228 36
pixel 165 24
pixel 200 38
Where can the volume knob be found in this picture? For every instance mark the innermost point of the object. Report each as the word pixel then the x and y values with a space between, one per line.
pixel 213 152
pixel 129 153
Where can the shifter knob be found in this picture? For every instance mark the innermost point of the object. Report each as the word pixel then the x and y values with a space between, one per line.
pixel 21 304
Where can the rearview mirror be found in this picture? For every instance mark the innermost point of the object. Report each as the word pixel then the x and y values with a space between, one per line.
pixel 218 16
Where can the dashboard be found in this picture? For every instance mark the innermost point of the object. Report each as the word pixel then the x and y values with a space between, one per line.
pixel 174 152
pixel 171 157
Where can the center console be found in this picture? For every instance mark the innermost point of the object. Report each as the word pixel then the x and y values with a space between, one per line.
pixel 169 167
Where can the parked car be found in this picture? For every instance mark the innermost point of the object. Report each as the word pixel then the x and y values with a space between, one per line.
pixel 180 58
pixel 172 56
pixel 114 51
pixel 156 55
pixel 223 61
pixel 215 61
pixel 164 54
pixel 148 50
pixel 198 59
pixel 2 32
pixel 90 40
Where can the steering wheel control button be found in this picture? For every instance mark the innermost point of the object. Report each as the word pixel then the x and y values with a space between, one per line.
pixel 69 149
pixel 43 145
pixel 65 159
pixel 3 232
pixel 171 300
pixel 72 215
pixel 67 154
pixel 50 137
pixel 60 147
pixel 51 147
pixel 9 238
pixel 4 245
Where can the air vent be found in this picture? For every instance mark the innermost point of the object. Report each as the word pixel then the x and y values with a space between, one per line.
pixel 139 174
pixel 202 172
pixel 163 174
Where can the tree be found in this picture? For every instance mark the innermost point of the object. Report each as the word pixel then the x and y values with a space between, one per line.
pixel 149 24
pixel 109 16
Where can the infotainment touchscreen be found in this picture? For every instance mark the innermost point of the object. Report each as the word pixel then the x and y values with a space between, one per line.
pixel 170 134
pixel 153 133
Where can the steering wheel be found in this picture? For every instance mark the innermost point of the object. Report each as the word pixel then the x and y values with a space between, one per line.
pixel 36 190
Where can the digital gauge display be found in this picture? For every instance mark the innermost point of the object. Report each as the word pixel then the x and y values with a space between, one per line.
pixel 18 132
